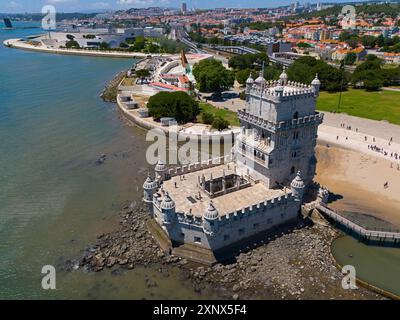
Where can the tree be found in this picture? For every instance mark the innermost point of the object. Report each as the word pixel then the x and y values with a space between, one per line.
pixel 272 72
pixel 220 124
pixel 373 84
pixel 304 45
pixel 139 43
pixel 72 44
pixel 380 41
pixel 369 74
pixel 142 74
pixel 178 105
pixel 305 68
pixel 242 75
pixel 212 76
pixel 368 41
pixel 350 58
pixel 104 45
pixel 391 76
pixel 208 118
pixel 247 61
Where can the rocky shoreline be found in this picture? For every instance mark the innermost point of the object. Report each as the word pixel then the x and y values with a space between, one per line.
pixel 294 263
pixel 110 91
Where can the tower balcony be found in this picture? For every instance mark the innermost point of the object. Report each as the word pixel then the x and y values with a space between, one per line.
pixel 314 119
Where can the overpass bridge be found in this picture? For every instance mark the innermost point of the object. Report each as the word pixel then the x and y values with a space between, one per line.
pixel 236 49
pixel 366 235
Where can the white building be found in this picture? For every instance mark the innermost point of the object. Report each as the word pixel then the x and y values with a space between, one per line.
pixel 92 38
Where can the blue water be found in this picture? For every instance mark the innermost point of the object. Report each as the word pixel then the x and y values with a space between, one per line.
pixel 54 199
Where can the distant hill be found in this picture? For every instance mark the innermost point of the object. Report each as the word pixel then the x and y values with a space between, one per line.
pixel 387 9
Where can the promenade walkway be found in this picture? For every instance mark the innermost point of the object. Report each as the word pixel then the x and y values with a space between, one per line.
pixel 378 138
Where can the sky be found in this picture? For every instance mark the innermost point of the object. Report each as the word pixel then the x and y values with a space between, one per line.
pixel 21 6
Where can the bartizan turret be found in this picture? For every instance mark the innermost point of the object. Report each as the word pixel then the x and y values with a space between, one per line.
pixel 316 84
pixel 297 186
pixel 168 209
pixel 149 188
pixel 210 219
pixel 161 171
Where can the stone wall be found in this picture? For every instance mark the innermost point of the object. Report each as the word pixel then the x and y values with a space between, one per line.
pixel 232 227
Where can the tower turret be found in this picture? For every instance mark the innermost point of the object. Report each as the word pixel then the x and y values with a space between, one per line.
pixel 249 84
pixel 283 78
pixel 210 219
pixel 316 84
pixel 161 171
pixel 168 209
pixel 149 188
pixel 261 80
pixel 297 186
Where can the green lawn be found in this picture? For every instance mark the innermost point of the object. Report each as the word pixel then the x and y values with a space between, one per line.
pixel 381 105
pixel 225 114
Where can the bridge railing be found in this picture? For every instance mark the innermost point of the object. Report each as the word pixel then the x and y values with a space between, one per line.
pixel 359 227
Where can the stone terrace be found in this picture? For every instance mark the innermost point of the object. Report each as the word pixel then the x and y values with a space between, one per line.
pixel 187 188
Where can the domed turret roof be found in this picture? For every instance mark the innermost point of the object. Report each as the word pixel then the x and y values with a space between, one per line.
pixel 260 79
pixel 149 183
pixel 250 79
pixel 298 181
pixel 211 212
pixel 167 203
pixel 316 81
pixel 283 75
pixel 160 166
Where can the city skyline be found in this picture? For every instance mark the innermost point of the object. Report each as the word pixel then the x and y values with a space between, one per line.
pixel 34 6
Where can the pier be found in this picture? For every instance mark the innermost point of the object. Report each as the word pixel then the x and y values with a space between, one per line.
pixel 377 237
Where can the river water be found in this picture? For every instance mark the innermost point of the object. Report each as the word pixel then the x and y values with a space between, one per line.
pixel 54 199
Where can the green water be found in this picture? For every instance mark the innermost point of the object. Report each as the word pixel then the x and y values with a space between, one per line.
pixel 54 199
pixel 378 266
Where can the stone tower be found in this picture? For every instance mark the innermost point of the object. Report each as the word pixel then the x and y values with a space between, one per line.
pixel 279 130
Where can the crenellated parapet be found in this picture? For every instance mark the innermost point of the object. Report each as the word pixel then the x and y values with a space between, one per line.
pixel 189 218
pixel 316 118
pixel 197 166
pixel 246 116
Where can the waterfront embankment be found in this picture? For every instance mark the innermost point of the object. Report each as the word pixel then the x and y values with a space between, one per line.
pixel 24 45
pixel 290 262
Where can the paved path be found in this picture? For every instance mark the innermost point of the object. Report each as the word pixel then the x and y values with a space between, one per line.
pixel 363 133
pixel 391 89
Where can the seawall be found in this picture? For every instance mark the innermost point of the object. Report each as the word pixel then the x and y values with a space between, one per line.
pixel 19 44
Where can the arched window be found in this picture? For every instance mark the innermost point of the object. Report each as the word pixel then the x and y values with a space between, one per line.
pixel 292 170
pixel 296 115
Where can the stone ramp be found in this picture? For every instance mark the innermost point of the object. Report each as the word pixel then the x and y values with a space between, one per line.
pixel 159 235
pixel 195 253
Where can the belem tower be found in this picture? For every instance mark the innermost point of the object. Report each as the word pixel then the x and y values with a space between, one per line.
pixel 201 208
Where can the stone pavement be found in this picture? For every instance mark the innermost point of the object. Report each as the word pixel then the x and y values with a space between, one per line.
pixel 186 191
pixel 367 130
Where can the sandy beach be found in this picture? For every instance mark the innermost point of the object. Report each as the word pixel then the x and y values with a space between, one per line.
pixel 357 180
